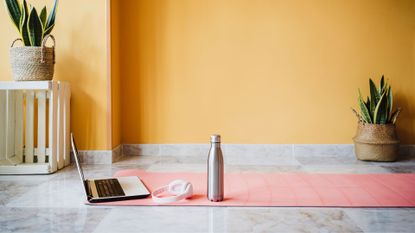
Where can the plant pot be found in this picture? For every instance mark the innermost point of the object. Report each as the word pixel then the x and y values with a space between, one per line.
pixel 376 142
pixel 30 63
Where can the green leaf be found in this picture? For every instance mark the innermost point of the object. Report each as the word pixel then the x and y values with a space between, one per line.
pixel 364 110
pixel 359 117
pixel 380 116
pixel 367 103
pixel 14 10
pixel 382 85
pixel 48 30
pixel 390 102
pixel 374 96
pixel 42 17
pixel 23 24
pixel 52 16
pixel 395 115
pixel 34 27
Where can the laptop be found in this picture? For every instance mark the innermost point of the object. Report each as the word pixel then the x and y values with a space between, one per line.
pixel 110 189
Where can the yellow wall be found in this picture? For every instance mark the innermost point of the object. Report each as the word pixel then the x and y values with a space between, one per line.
pixel 269 71
pixel 81 50
pixel 254 71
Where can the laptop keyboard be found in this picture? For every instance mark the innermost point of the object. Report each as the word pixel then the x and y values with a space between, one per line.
pixel 109 188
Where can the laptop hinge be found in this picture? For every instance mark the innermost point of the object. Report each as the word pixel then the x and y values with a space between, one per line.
pixel 88 189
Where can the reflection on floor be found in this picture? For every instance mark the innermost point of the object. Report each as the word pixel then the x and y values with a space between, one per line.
pixel 55 203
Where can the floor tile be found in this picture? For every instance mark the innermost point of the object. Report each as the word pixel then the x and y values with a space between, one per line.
pixel 41 220
pixel 226 219
pixel 288 220
pixel 384 220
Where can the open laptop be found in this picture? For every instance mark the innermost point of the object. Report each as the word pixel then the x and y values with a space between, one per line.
pixel 110 189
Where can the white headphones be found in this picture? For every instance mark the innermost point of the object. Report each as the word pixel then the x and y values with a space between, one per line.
pixel 179 188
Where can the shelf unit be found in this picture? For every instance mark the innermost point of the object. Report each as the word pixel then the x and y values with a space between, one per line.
pixel 34 127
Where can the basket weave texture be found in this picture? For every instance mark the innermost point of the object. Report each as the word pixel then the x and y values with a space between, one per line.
pixel 376 142
pixel 31 63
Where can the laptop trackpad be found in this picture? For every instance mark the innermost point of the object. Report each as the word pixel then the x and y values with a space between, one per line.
pixel 132 186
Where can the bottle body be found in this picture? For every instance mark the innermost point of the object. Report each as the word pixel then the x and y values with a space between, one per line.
pixel 215 171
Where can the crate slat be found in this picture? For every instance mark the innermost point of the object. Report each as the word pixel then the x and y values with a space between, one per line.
pixel 29 126
pixel 60 145
pixel 18 139
pixel 10 123
pixel 3 110
pixel 32 85
pixel 41 126
pixel 52 127
pixel 30 168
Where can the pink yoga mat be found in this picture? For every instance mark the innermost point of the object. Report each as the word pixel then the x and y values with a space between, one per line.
pixel 289 189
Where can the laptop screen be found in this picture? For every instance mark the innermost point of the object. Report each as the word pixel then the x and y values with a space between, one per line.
pixel 76 156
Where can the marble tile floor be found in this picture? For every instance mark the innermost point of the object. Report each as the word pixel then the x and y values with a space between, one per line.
pixel 55 203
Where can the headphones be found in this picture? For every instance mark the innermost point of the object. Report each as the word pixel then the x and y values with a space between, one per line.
pixel 180 189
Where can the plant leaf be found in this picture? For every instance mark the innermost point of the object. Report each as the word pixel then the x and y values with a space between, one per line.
pixel 48 30
pixel 364 110
pixel 23 24
pixel 395 115
pixel 380 115
pixel 382 85
pixel 34 27
pixel 359 117
pixel 367 103
pixel 42 17
pixel 14 10
pixel 52 15
pixel 390 102
pixel 374 96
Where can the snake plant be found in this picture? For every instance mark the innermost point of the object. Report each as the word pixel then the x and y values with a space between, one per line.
pixel 33 27
pixel 377 109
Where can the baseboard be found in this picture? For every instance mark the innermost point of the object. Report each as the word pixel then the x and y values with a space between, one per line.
pixel 101 156
pixel 248 149
pixel 254 154
pixel 117 153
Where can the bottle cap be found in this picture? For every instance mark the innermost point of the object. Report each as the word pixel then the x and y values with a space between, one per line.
pixel 215 138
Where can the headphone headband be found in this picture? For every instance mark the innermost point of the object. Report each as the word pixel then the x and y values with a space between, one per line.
pixel 179 189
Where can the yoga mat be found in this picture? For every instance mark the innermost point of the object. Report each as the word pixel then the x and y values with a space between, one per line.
pixel 288 189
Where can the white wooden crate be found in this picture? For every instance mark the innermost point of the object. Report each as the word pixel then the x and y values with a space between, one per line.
pixel 34 127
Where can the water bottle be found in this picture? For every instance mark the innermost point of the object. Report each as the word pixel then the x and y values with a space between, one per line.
pixel 215 170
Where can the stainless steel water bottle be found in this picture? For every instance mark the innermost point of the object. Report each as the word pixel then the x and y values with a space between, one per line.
pixel 215 170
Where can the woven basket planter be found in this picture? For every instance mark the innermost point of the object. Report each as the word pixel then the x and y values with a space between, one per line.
pixel 376 142
pixel 31 63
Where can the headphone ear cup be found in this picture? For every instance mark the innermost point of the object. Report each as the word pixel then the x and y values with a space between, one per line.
pixel 188 190
pixel 177 187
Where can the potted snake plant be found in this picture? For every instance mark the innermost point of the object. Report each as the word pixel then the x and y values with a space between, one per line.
pixel 33 61
pixel 376 137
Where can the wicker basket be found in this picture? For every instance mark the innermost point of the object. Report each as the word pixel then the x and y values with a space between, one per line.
pixel 31 63
pixel 376 142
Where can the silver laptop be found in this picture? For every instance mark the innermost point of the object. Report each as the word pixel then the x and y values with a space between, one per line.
pixel 110 189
